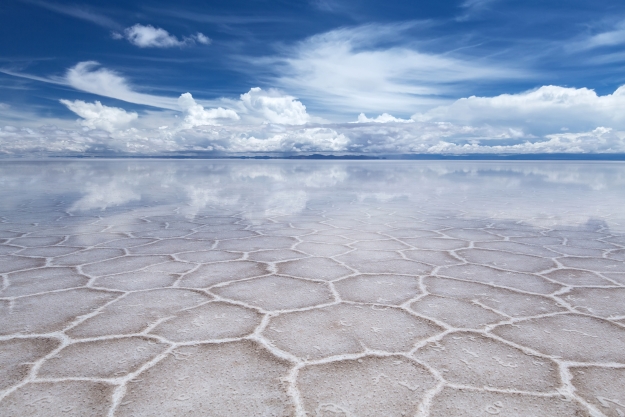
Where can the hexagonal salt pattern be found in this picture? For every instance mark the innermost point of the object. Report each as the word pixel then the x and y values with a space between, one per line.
pixel 61 398
pixel 473 359
pixel 137 311
pixel 210 321
pixel 572 337
pixel 344 328
pixel 17 357
pixel 368 386
pixel 602 387
pixel 458 402
pixel 105 358
pixel 277 293
pixel 379 289
pixel 229 379
pixel 349 302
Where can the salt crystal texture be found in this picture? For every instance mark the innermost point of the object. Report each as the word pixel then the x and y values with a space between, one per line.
pixel 303 288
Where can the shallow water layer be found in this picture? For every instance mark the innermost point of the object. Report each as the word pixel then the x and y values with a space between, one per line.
pixel 312 288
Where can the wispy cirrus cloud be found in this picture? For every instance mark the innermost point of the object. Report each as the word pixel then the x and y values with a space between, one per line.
pixel 89 77
pixel 472 8
pixel 217 19
pixel 613 37
pixel 599 44
pixel 372 68
pixel 79 12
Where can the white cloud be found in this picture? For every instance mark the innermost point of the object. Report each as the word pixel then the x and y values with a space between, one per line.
pixel 203 39
pixel 546 110
pixel 600 140
pixel 351 70
pixel 148 36
pixel 550 119
pixel 290 140
pixel 196 115
pixel 151 37
pixel 275 107
pixel 97 116
pixel 613 37
pixel 353 138
pixel 383 118
pixel 85 76
pixel 256 106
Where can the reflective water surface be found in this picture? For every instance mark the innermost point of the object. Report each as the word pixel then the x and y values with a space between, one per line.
pixel 311 288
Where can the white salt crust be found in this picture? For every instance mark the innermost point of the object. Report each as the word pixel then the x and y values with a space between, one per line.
pixel 345 307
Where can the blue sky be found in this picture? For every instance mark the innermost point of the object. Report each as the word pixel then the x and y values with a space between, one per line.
pixel 346 76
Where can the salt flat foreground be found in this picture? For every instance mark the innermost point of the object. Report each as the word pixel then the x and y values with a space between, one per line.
pixel 285 289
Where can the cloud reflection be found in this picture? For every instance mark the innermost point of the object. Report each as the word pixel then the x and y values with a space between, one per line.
pixel 538 192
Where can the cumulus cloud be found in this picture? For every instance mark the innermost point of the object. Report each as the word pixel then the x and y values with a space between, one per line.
pixel 345 138
pixel 600 140
pixel 549 119
pixel 275 107
pixel 286 140
pixel 148 36
pixel 197 115
pixel 383 118
pixel 97 116
pixel 258 106
pixel 545 110
pixel 254 107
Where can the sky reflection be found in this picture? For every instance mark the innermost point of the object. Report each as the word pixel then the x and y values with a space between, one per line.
pixel 539 193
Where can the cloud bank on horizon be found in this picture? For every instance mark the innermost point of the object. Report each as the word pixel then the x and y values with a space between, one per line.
pixel 367 87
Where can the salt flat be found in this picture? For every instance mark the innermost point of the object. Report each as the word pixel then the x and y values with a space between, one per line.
pixel 243 288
